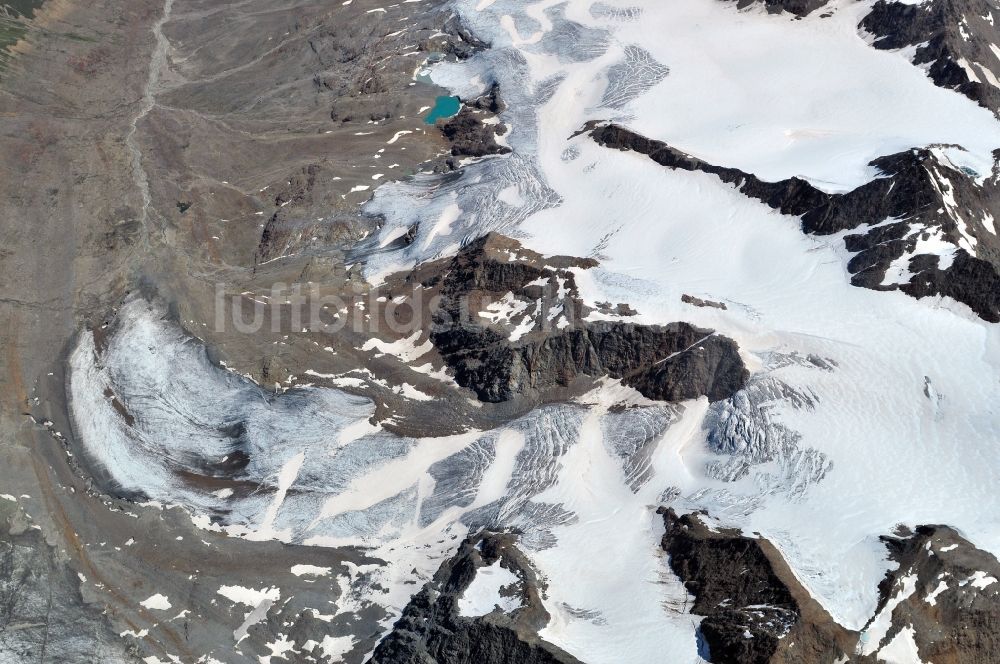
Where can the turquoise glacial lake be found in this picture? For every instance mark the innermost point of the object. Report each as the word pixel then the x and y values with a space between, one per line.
pixel 444 107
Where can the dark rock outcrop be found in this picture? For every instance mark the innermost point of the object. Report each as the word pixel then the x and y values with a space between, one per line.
pixel 699 302
pixel 754 610
pixel 469 136
pixel 491 102
pixel 946 591
pixel 670 363
pixel 943 597
pixel 919 195
pixel 953 41
pixel 431 628
pixel 556 346
pixel 465 44
pixel 798 7
pixel 474 130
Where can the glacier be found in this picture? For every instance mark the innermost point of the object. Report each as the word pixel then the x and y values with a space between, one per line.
pixel 866 409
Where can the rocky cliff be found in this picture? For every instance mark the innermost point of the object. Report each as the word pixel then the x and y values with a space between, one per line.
pixel 433 629
pixel 941 603
pixel 754 610
pixel 952 40
pixel 511 324
pixel 924 226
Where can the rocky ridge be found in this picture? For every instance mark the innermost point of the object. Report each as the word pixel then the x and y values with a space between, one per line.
pixel 954 41
pixel 473 132
pixel 511 323
pixel 943 599
pixel 925 226
pixel 941 603
pixel 432 627
pixel 754 610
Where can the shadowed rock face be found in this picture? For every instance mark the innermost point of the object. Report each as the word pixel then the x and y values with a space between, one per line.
pixel 431 628
pixel 468 133
pixel 947 33
pixel 797 7
pixel 947 591
pixel 669 363
pixel 754 610
pixel 943 598
pixel 920 195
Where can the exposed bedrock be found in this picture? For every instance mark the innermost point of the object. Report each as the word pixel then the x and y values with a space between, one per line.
pixel 511 324
pixel 473 131
pixel 925 226
pixel 434 629
pixel 944 597
pixel 287 231
pixel 471 137
pixel 754 610
pixel 942 602
pixel 670 363
pixel 464 46
pixel 952 42
pixel 797 7
pixel 43 615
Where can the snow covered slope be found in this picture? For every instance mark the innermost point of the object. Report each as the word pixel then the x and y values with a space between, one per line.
pixel 864 410
pixel 904 412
